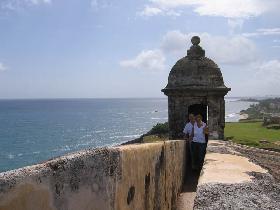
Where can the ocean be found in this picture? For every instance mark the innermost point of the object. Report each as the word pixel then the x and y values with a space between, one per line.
pixel 32 131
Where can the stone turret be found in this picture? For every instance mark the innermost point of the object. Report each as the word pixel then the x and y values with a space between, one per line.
pixel 195 85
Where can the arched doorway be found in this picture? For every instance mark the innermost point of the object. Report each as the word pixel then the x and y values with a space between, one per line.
pixel 199 109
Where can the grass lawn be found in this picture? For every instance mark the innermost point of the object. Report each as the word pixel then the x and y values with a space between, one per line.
pixel 250 133
pixel 153 138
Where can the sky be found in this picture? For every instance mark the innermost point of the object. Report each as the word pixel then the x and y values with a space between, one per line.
pixel 124 48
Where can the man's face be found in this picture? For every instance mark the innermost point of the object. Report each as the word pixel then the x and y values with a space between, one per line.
pixel 191 118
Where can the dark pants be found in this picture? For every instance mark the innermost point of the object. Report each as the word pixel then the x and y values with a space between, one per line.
pixel 197 152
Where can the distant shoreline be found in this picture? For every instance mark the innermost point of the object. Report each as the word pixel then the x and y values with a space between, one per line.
pixel 243 116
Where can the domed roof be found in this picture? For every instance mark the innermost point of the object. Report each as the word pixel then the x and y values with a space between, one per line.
pixel 195 71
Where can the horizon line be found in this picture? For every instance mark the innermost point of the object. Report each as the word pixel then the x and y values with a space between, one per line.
pixel 57 98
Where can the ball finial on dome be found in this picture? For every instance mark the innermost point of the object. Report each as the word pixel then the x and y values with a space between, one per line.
pixel 195 40
pixel 195 51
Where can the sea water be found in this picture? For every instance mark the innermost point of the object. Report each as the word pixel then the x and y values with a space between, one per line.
pixel 32 131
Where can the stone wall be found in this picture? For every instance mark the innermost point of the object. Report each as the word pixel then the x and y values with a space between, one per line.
pixel 144 176
pixel 178 108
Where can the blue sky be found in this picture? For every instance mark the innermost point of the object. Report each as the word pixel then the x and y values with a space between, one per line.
pixel 109 48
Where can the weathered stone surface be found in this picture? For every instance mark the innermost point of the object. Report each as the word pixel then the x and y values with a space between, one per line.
pixel 139 176
pixel 189 72
pixel 196 80
pixel 63 183
pixel 156 173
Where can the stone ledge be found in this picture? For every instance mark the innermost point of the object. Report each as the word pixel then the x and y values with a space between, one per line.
pixel 138 176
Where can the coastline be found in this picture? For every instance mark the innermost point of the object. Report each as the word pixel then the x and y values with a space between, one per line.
pixel 243 116
pixel 129 119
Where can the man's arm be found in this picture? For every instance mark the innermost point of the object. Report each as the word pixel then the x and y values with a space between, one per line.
pixel 206 130
pixel 185 132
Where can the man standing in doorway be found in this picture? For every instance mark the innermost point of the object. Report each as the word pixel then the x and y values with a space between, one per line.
pixel 188 135
pixel 189 127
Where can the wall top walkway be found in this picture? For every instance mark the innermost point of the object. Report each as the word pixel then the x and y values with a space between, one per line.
pixel 230 180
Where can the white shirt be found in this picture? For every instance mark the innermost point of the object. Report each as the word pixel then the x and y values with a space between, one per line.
pixel 188 128
pixel 199 136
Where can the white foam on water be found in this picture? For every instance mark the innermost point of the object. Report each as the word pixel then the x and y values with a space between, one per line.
pixel 126 136
pixel 83 144
pixel 132 136
pixel 11 156
pixel 85 136
pixel 159 118
pixel 156 118
pixel 98 131
pixel 231 115
pixel 63 149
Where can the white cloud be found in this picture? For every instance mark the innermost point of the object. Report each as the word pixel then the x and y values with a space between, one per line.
pixel 269 71
pixel 223 8
pixel 150 11
pixel 94 3
pixel 258 78
pixel 174 42
pixel 2 67
pixel 100 4
pixel 151 60
pixel 39 1
pixel 225 50
pixel 266 77
pixel 263 32
pixel 234 24
pixel 234 50
pixel 14 5
pixel 153 11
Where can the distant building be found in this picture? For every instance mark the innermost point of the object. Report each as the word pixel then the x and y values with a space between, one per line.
pixel 271 119
pixel 195 85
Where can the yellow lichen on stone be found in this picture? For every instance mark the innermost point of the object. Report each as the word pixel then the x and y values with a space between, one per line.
pixel 27 197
